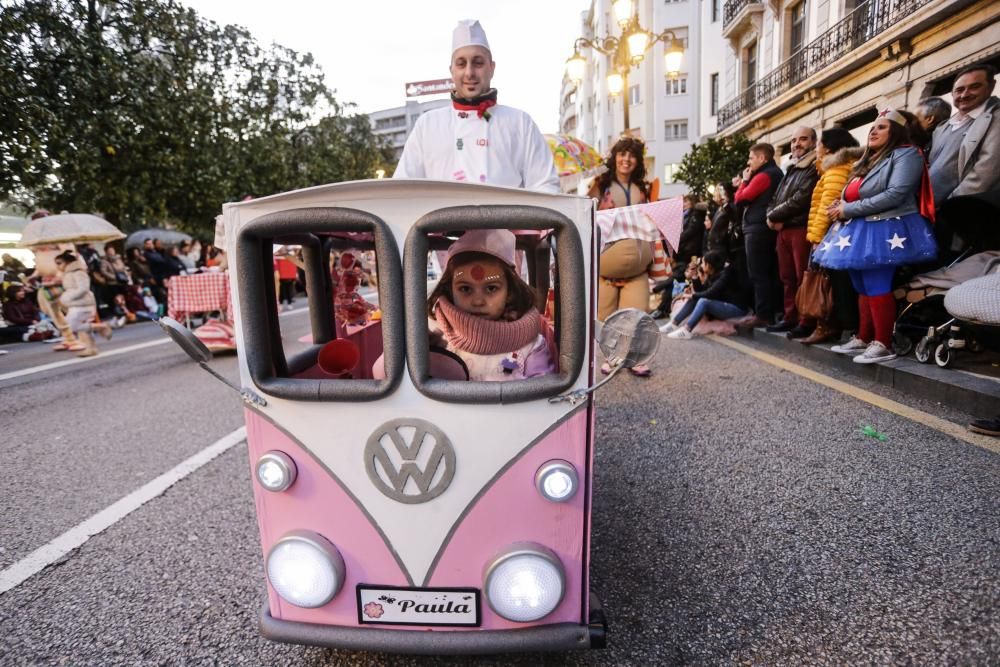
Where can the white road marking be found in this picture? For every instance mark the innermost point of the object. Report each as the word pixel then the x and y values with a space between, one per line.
pixel 84 360
pixel 109 353
pixel 75 537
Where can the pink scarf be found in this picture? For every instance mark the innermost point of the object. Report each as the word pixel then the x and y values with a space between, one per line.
pixel 476 335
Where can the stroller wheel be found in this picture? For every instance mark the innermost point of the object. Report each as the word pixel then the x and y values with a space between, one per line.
pixel 902 343
pixel 924 350
pixel 974 345
pixel 942 355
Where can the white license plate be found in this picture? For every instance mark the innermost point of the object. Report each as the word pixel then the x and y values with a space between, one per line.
pixel 390 605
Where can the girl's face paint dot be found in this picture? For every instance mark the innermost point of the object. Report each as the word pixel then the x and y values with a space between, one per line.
pixel 478 272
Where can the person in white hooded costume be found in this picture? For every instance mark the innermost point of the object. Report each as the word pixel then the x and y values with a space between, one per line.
pixel 476 140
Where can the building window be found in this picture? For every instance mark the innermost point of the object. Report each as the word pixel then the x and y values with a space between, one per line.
pixel 675 130
pixel 715 10
pixel 677 86
pixel 798 38
pixel 750 77
pixel 388 123
pixel 713 85
pixel 633 94
pixel 670 172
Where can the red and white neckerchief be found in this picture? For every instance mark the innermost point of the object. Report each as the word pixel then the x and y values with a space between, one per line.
pixel 479 104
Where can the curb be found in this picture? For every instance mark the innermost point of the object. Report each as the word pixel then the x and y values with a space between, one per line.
pixel 968 393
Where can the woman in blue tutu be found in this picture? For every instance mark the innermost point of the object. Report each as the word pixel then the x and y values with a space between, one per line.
pixel 882 221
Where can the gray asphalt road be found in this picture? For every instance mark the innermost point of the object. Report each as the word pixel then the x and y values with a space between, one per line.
pixel 740 517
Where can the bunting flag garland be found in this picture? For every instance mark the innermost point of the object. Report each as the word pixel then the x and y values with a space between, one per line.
pixel 646 222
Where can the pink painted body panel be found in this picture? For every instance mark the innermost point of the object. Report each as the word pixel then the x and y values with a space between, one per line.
pixel 513 511
pixel 318 502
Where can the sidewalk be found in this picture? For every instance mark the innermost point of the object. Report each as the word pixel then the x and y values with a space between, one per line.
pixel 971 384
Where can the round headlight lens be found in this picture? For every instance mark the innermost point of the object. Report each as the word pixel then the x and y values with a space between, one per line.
pixel 305 569
pixel 525 584
pixel 557 481
pixel 275 471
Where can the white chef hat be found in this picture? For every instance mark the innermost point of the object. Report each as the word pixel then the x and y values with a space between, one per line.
pixel 469 32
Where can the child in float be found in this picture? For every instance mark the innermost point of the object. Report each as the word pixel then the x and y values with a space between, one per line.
pixel 485 313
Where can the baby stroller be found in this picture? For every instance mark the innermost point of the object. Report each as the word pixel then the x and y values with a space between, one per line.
pixel 975 324
pixel 923 320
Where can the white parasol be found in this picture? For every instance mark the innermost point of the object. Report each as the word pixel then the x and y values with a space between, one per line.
pixel 68 228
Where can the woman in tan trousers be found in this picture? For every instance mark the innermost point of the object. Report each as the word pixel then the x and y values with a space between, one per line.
pixel 624 262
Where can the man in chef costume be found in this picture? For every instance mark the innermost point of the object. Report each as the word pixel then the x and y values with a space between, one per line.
pixel 476 140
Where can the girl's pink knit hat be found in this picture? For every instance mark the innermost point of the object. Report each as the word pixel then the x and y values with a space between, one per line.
pixel 496 242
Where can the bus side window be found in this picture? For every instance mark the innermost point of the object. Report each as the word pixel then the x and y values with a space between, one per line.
pixel 352 280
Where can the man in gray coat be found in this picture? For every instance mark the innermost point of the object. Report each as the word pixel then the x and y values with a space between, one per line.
pixel 965 155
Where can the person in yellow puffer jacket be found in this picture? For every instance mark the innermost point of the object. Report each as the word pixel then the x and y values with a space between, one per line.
pixel 836 153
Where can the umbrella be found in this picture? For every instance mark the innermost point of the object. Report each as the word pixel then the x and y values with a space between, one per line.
pixel 68 228
pixel 574 159
pixel 168 236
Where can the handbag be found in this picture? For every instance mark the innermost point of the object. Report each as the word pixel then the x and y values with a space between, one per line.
pixel 815 296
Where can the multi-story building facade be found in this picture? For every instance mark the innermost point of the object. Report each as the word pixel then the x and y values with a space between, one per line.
pixel 825 63
pixel 663 110
pixel 396 123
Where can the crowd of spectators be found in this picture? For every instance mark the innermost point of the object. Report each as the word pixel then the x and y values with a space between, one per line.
pixel 745 252
pixel 125 289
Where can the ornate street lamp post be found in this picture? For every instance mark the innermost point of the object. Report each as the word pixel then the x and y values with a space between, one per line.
pixel 625 51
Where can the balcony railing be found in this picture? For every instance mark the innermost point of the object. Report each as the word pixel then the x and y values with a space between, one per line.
pixel 732 8
pixel 864 23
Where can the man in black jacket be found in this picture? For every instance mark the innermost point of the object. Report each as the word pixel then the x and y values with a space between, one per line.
pixel 755 190
pixel 788 216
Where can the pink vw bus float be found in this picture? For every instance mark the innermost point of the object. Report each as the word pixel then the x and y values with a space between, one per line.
pixel 402 506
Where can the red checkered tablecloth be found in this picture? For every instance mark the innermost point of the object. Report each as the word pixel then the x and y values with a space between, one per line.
pixel 198 293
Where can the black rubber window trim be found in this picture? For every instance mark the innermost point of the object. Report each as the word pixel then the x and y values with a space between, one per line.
pixel 571 297
pixel 258 310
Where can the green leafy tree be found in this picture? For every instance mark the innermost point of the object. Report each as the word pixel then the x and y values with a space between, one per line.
pixel 145 112
pixel 713 161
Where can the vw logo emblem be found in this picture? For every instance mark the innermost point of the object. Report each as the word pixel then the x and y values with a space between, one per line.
pixel 410 460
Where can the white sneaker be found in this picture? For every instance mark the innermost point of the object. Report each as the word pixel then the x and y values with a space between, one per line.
pixel 853 346
pixel 668 327
pixel 682 333
pixel 876 352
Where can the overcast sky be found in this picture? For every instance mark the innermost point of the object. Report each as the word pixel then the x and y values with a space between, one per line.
pixel 370 49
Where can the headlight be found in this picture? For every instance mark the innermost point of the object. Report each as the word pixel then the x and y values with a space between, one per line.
pixel 305 569
pixel 557 481
pixel 525 583
pixel 275 471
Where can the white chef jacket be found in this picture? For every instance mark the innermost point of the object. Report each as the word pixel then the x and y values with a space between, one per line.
pixel 452 145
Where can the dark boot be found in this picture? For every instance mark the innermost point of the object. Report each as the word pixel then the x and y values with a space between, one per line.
pixel 800 331
pixel 822 334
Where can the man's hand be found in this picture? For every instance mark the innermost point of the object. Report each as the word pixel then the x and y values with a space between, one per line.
pixel 776 226
pixel 747 173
